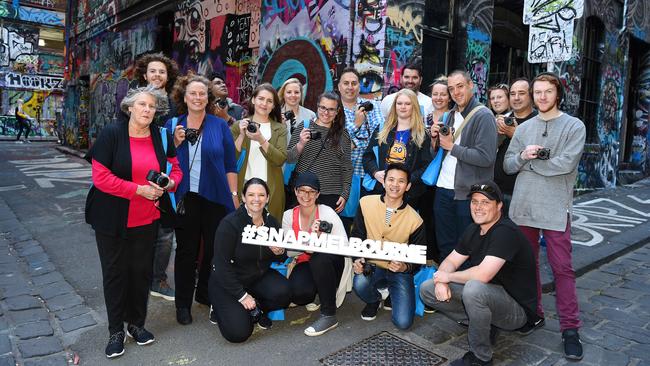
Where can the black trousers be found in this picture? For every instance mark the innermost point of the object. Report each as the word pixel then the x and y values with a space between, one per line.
pixel 197 226
pixel 126 275
pixel 424 206
pixel 321 275
pixel 23 126
pixel 271 291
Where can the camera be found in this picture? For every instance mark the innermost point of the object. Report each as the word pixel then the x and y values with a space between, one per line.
pixel 509 121
pixel 444 130
pixel 325 227
pixel 544 153
pixel 155 177
pixel 314 135
pixel 367 106
pixel 222 103
pixel 368 269
pixel 289 115
pixel 256 314
pixel 191 135
pixel 252 127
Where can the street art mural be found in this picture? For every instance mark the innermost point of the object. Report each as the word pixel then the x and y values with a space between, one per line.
pixel 551 28
pixel 47 4
pixel 640 156
pixel 369 45
pixel 638 19
pixel 403 37
pixel 16 42
pixel 12 10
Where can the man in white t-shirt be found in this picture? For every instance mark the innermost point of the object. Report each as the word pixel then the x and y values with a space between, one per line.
pixel 412 79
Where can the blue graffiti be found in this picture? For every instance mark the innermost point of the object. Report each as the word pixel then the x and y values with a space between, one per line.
pixel 41 16
pixel 403 44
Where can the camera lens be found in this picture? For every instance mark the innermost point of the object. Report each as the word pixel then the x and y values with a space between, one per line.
pixel 222 103
pixel 444 130
pixel 367 106
pixel 289 115
pixel 252 127
pixel 314 135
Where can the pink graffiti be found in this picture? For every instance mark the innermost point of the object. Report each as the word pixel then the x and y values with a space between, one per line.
pixel 233 78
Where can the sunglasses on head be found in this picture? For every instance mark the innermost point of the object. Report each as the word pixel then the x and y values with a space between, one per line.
pixel 482 188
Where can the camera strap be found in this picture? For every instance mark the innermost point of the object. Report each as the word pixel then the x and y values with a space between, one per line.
pixel 295 225
pixel 465 121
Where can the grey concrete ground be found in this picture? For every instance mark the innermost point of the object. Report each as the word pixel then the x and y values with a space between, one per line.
pixel 52 310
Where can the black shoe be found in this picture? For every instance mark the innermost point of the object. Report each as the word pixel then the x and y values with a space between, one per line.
pixel 387 304
pixel 115 346
pixel 265 322
pixel 202 299
pixel 572 344
pixel 429 310
pixel 142 336
pixel 531 327
pixel 469 359
pixel 183 316
pixel 213 316
pixel 370 311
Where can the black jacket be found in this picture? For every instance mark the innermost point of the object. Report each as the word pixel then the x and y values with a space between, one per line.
pixel 237 266
pixel 417 160
pixel 106 213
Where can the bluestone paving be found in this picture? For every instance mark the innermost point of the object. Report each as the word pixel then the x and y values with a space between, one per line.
pixel 50 277
pixel 51 290
pixel 5 344
pixel 56 360
pixel 22 302
pixel 33 330
pixel 78 322
pixel 41 346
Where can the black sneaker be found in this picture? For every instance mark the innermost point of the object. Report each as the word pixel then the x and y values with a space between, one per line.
pixel 531 327
pixel 469 359
pixel 265 322
pixel 183 316
pixel 429 310
pixel 387 304
pixel 213 316
pixel 115 346
pixel 370 311
pixel 572 344
pixel 142 336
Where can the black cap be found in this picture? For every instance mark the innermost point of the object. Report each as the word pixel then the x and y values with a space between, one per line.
pixel 308 179
pixel 489 189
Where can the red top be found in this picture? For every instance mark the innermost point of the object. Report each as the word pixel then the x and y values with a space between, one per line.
pixel 141 210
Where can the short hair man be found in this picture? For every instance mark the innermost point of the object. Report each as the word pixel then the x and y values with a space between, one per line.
pixel 388 217
pixel 545 151
pixel 359 122
pixel 470 152
pixel 495 291
pixel 411 78
pixel 232 112
pixel 521 104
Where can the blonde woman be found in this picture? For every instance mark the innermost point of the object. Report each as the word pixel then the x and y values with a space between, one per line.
pixel 291 99
pixel 404 140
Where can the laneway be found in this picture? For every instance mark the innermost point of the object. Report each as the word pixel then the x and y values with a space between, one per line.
pixel 51 302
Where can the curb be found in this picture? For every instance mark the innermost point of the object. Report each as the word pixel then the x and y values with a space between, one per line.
pixel 70 151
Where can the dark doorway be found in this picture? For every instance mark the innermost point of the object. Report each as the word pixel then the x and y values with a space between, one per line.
pixel 508 57
pixel 638 109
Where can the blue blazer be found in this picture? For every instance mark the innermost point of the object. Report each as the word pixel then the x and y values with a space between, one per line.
pixel 217 159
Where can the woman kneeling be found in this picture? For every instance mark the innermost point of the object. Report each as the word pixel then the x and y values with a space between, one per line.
pixel 243 288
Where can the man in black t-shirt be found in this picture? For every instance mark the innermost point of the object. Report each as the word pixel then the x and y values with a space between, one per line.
pixel 497 290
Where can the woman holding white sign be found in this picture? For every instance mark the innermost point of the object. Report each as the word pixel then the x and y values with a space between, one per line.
pixel 243 288
pixel 327 275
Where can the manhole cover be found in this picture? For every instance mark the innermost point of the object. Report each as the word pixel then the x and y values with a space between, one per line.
pixel 383 349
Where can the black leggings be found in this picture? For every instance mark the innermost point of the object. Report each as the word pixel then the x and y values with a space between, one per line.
pixel 23 126
pixel 322 275
pixel 126 274
pixel 271 292
pixel 197 226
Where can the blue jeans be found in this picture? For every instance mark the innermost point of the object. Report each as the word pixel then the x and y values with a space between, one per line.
pixel 452 217
pixel 400 288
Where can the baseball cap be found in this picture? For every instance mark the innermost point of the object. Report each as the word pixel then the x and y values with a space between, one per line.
pixel 489 189
pixel 308 179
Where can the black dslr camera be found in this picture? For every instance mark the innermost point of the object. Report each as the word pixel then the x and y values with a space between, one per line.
pixel 252 127
pixel 368 269
pixel 544 153
pixel 191 135
pixel 325 227
pixel 256 314
pixel 155 177
pixel 509 121
pixel 314 135
pixel 289 115
pixel 445 130
pixel 367 106
pixel 222 103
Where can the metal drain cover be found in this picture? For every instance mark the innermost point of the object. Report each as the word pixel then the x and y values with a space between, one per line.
pixel 383 349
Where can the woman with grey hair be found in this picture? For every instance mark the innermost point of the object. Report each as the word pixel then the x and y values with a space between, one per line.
pixel 124 208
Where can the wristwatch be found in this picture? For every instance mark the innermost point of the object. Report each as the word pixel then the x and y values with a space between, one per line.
pixel 234 193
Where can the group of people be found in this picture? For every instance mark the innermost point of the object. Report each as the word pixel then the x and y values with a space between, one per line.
pixel 415 169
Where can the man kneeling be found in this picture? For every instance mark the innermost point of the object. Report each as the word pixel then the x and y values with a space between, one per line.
pixel 497 290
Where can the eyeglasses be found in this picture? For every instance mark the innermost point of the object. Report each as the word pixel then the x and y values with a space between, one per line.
pixel 324 109
pixel 306 192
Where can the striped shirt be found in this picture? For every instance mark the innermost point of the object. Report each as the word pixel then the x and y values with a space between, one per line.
pixel 332 166
pixel 361 136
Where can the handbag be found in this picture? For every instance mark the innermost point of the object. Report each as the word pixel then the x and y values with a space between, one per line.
pixel 430 175
pixel 425 273
pixel 368 181
pixel 352 204
pixel 290 167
